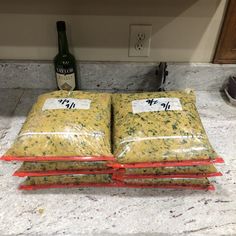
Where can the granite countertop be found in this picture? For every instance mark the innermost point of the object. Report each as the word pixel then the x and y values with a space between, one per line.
pixel 112 211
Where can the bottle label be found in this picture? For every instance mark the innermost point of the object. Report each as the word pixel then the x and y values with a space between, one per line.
pixel 65 80
pixel 66 103
pixel 156 104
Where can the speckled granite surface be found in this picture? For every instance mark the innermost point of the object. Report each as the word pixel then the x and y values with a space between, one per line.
pixel 120 211
pixel 117 75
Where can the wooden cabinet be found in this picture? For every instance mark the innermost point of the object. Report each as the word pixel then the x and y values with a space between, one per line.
pixel 226 48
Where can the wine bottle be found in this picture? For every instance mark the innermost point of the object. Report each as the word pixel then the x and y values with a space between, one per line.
pixel 64 62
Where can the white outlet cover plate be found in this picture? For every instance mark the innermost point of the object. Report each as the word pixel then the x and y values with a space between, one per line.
pixel 137 47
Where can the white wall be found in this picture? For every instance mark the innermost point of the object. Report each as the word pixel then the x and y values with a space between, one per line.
pixel 183 30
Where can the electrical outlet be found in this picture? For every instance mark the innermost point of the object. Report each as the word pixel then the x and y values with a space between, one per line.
pixel 140 40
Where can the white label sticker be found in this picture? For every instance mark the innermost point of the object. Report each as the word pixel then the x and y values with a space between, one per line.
pixel 66 103
pixel 156 104
pixel 66 81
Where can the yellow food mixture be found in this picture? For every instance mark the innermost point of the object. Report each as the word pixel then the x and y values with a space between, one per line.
pixel 173 170
pixel 61 165
pixel 64 131
pixel 68 179
pixel 164 135
pixel 182 182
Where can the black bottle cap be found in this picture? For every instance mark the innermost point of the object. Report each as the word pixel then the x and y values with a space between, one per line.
pixel 61 26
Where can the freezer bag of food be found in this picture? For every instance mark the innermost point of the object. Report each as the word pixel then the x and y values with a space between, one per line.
pixel 65 125
pixel 168 172
pixel 198 184
pixel 62 167
pixel 136 165
pixel 159 127
pixel 79 181
pixel 67 181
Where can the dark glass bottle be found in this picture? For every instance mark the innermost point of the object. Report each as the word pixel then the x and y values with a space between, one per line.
pixel 65 63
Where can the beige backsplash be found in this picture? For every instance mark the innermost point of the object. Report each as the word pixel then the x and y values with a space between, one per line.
pixel 183 30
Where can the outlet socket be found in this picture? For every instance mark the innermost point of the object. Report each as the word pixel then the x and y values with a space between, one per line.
pixel 140 40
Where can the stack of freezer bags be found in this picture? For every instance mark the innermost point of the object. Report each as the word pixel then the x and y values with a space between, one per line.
pixel 65 141
pixel 159 141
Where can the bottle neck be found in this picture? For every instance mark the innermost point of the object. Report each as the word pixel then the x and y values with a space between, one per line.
pixel 62 43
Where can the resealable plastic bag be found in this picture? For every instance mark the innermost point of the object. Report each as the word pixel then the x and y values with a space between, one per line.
pixel 167 172
pixel 66 126
pixel 172 170
pixel 197 184
pixel 47 168
pixel 67 181
pixel 159 127
pixel 82 181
